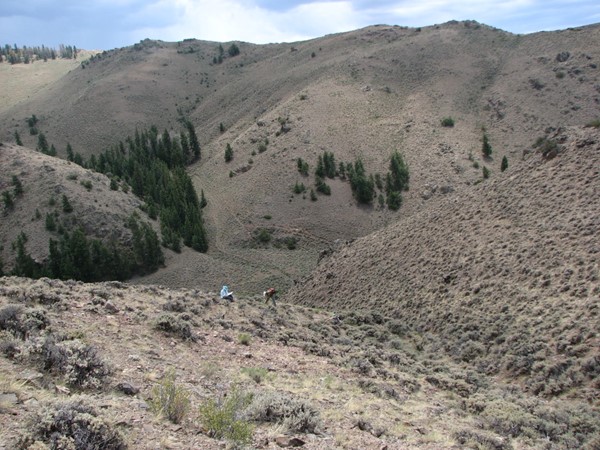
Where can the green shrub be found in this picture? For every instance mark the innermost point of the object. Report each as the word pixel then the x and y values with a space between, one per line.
pixel 263 236
pixel 223 417
pixel 170 400
pixel 87 184
pixel 257 374
pixel 321 186
pixel 50 222
pixel 447 122
pixel 394 200
pixel 262 147
pixel 313 195
pixel 485 173
pixel 299 188
pixel 244 339
pixel 504 164
pixel 71 425
pixel 593 123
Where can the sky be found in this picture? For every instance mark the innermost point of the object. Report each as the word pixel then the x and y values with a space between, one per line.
pixel 108 24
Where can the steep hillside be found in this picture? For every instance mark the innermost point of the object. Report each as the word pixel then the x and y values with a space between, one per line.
pixel 39 211
pixel 504 277
pixel 114 366
pixel 362 94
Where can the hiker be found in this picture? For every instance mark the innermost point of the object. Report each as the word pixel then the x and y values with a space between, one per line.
pixel 270 294
pixel 226 294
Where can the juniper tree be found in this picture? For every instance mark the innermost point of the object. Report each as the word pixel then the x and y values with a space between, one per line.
pixel 18 138
pixel 504 164
pixel 486 148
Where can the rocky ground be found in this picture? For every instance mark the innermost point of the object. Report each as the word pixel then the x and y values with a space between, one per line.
pixel 93 357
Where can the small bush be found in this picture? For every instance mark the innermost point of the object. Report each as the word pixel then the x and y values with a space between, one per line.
pixel 78 362
pixel 170 400
pixel 593 123
pixel 223 417
pixel 244 339
pixel 504 164
pixel 263 236
pixel 485 173
pixel 71 425
pixel 257 374
pixel 295 415
pixel 262 147
pixel 172 324
pixel 21 322
pixel 447 122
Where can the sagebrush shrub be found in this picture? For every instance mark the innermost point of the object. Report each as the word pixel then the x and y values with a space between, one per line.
pixel 169 399
pixel 71 425
pixel 293 414
pixel 172 324
pixel 224 417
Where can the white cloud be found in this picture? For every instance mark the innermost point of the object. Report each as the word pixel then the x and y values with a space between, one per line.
pixel 238 20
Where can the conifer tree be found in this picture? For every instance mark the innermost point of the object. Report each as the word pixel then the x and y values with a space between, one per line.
pixel 228 153
pixel 504 164
pixel 193 140
pixel 18 138
pixel 42 144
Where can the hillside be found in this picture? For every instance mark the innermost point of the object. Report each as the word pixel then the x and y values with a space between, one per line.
pixel 362 94
pixel 504 277
pixel 39 211
pixel 84 363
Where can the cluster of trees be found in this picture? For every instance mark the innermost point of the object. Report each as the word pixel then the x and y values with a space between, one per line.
pixel 26 55
pixel 232 51
pixel 75 256
pixel 153 165
pixel 364 186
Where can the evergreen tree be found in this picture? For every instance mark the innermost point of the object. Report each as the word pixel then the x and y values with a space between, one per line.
pixel 394 200
pixel 25 266
pixel 66 205
pixel 193 140
pixel 320 169
pixel 42 144
pixel 399 177
pixel 486 147
pixel 363 187
pixel 50 222
pixel 70 155
pixel 504 164
pixel 18 186
pixel 233 50
pixel 7 198
pixel 203 201
pixel 228 153
pixel 329 164
pixel 18 138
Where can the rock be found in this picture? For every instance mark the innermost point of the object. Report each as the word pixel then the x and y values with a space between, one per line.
pixel 8 399
pixel 128 388
pixel 110 307
pixel 284 441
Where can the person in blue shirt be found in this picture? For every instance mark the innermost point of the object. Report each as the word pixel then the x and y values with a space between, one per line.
pixel 226 294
